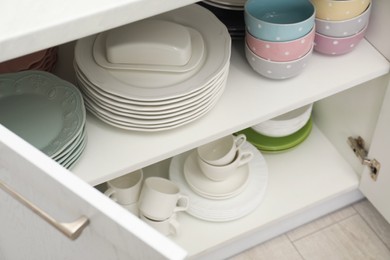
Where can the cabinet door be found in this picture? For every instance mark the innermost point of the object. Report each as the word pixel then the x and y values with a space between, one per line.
pixel 112 232
pixel 378 192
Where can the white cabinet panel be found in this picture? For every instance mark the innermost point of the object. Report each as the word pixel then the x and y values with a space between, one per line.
pixel 113 233
pixel 378 191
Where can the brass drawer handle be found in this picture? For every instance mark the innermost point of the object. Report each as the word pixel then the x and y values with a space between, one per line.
pixel 72 230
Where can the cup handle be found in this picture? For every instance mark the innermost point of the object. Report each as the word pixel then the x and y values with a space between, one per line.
pixel 239 140
pixel 174 227
pixel 245 158
pixel 109 193
pixel 184 202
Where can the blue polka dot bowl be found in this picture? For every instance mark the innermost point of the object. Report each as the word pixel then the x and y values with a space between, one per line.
pixel 279 20
pixel 277 70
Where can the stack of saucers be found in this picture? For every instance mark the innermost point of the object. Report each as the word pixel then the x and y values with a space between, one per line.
pixel 45 111
pixel 340 25
pixel 156 74
pixel 44 60
pixel 279 36
pixel 231 13
pixel 219 195
pixel 281 133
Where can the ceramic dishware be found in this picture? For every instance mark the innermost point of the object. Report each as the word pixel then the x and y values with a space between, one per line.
pixel 160 198
pixel 343 28
pixel 277 69
pixel 279 20
pixel 337 45
pixel 133 208
pixel 221 151
pixel 223 172
pixel 281 51
pixel 169 226
pixel 125 190
pixel 285 124
pixel 337 10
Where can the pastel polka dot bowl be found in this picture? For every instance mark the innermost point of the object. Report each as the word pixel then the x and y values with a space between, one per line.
pixel 343 28
pixel 279 20
pixel 337 10
pixel 337 45
pixel 277 69
pixel 281 51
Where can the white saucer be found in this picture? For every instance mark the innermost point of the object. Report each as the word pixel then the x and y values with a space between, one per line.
pixel 228 209
pixel 214 189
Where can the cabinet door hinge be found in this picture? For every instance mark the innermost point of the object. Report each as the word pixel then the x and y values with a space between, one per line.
pixel 357 145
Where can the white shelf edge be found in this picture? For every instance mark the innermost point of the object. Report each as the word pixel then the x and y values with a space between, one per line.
pixel 35 25
pixel 248 99
pixel 311 174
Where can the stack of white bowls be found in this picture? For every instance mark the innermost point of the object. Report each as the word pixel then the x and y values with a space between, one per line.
pixel 45 111
pixel 156 74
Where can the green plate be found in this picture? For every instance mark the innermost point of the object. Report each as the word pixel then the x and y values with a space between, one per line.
pixel 277 144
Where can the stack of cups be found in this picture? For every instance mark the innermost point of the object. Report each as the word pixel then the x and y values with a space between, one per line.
pixel 340 25
pixel 220 159
pixel 125 190
pixel 159 202
pixel 279 36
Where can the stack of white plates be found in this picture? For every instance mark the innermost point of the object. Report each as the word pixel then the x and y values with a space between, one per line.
pixel 45 111
pixel 225 200
pixel 155 98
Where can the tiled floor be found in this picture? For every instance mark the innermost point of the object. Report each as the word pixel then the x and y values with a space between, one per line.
pixel 357 232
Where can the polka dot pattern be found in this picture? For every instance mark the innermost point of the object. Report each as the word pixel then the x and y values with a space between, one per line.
pixel 335 10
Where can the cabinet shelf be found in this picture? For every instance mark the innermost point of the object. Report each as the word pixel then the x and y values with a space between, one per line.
pixel 34 25
pixel 311 173
pixel 248 99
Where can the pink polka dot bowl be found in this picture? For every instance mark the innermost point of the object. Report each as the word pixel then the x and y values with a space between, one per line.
pixel 337 10
pixel 343 28
pixel 277 70
pixel 337 45
pixel 281 51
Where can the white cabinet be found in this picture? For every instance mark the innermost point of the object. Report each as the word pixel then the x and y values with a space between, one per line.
pixel 317 177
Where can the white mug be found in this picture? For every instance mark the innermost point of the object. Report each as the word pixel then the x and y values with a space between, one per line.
pixel 125 190
pixel 221 173
pixel 169 226
pixel 133 208
pixel 221 151
pixel 160 198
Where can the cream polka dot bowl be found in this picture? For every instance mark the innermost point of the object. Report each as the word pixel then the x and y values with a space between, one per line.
pixel 343 28
pixel 277 70
pixel 281 51
pixel 337 45
pixel 338 10
pixel 279 20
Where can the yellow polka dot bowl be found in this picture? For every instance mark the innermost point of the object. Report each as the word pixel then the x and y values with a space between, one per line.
pixel 338 10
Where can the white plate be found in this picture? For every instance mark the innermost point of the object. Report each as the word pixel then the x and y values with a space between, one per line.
pixel 214 189
pixel 147 86
pixel 158 127
pixel 42 109
pixel 229 209
pixel 197 55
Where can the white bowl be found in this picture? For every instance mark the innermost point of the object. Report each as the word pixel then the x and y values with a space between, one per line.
pixel 285 124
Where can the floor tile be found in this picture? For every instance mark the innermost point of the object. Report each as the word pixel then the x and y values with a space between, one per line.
pixel 375 220
pixel 320 223
pixel 350 239
pixel 279 248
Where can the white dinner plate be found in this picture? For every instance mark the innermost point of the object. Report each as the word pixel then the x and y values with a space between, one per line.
pixel 228 209
pixel 210 189
pixel 148 86
pixel 42 109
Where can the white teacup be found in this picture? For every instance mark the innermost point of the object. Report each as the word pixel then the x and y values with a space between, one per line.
pixel 133 208
pixel 160 198
pixel 169 226
pixel 221 173
pixel 221 151
pixel 125 190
